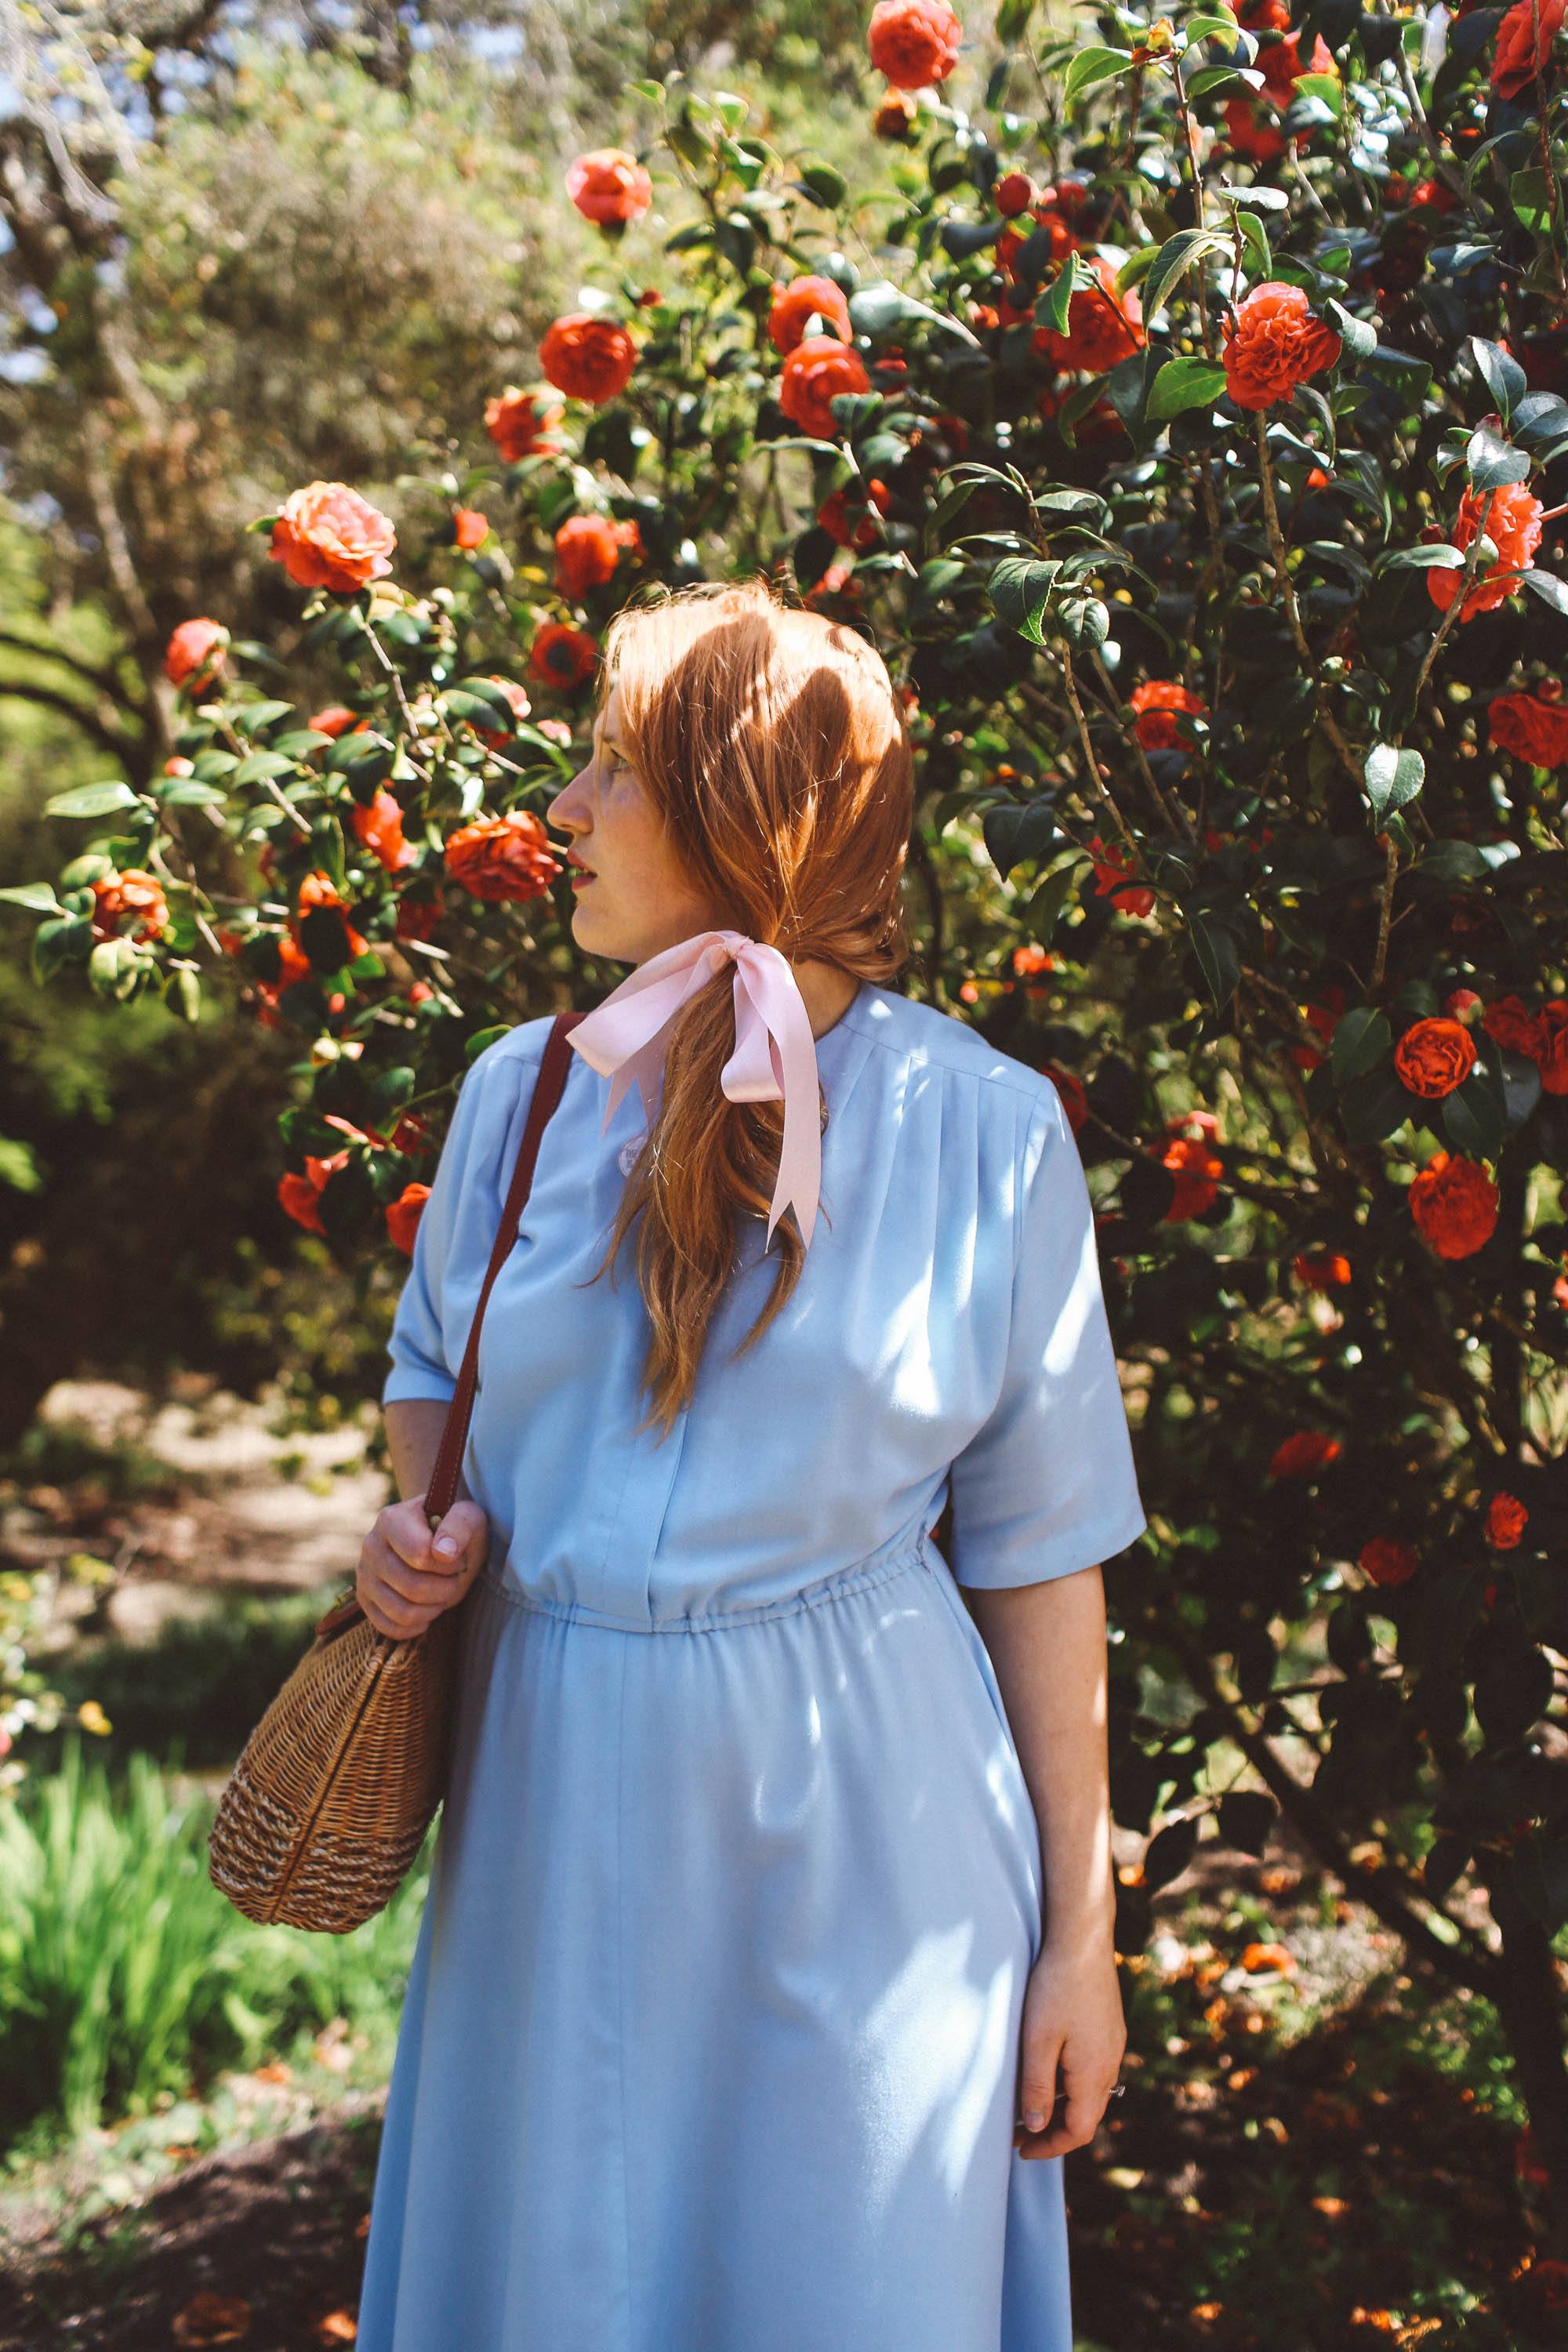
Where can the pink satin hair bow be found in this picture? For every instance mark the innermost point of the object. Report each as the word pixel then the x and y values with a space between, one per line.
pixel 775 1058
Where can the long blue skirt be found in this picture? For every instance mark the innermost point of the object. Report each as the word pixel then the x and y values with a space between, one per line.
pixel 710 2038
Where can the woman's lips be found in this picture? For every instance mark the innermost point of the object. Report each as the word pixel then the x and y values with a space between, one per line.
pixel 579 877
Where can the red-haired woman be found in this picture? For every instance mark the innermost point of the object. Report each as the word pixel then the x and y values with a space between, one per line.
pixel 773 1885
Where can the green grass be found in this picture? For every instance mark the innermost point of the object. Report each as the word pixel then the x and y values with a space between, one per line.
pixel 125 1976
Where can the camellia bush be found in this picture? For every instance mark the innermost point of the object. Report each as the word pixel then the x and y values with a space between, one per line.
pixel 1188 425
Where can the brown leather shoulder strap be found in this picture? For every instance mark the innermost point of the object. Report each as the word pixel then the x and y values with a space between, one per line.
pixel 548 1088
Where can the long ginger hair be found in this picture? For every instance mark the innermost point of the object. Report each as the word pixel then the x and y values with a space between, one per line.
pixel 772 744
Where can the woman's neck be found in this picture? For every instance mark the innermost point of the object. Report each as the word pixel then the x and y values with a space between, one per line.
pixel 827 992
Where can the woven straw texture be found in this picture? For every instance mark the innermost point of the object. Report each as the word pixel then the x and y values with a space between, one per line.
pixel 339 1782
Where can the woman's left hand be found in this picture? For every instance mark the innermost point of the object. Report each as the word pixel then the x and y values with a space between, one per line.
pixel 1072 2018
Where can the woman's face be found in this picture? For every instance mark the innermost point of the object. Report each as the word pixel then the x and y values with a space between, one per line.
pixel 638 900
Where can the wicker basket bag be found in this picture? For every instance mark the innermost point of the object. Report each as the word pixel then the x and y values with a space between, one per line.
pixel 330 1802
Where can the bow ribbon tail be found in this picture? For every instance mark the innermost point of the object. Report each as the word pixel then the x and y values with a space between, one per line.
pixel 775 1056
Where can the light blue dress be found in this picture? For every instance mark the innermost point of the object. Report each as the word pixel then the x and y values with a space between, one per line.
pixel 712 2033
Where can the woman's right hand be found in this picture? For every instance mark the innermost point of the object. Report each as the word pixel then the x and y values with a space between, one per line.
pixel 409 1572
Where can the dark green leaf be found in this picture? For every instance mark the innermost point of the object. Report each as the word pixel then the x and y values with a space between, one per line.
pixel 1183 383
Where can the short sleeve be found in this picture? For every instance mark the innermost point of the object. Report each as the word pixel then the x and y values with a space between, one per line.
pixel 456 1226
pixel 1048 1486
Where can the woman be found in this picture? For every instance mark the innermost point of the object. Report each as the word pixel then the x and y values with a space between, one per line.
pixel 735 2016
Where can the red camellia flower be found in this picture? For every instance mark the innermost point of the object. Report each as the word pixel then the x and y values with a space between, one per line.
pixel 1252 131
pixel 328 536
pixel 333 718
pixel 130 892
pixel 1512 524
pixel 1281 66
pixel 1103 327
pixel 469 527
pixel 1552 1060
pixel 502 858
pixel 1454 1203
pixel 1517 1029
pixel 1321 1269
pixel 914 42
pixel 833 514
pixel 417 919
pixel 380 827
pixel 1434 1056
pixel 522 423
pixel 1158 705
pixel 562 657
pixel 800 299
pixel 815 373
pixel 587 550
pixel 1506 1517
pixel 1386 1561
pixel 1113 879
pixel 1524 41
pixel 194 654
pixel 1532 727
pixel 1303 1452
pixel 299 1196
pixel 1015 193
pixel 318 891
pixel 587 356
pixel 403 1216
pixel 1274 342
pixel 1197 1171
pixel 608 186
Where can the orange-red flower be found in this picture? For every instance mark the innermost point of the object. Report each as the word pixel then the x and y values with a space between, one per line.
pixel 1302 1452
pixel 1532 727
pixel 1113 879
pixel 1281 66
pixel 1506 1517
pixel 562 657
pixel 894 117
pixel 417 919
pixel 1516 1029
pixel 130 892
pixel 1103 327
pixel 1252 131
pixel 335 719
pixel 1512 524
pixel 914 42
pixel 1272 1960
pixel 1014 194
pixel 194 654
pixel 1321 1269
pixel 469 527
pixel 522 423
pixel 1434 1056
pixel 1274 342
pixel 1454 1203
pixel 1197 1168
pixel 587 356
pixel 318 891
pixel 800 300
pixel 403 1216
pixel 1158 705
pixel 815 373
pixel 1524 41
pixel 1386 1561
pixel 502 858
pixel 380 827
pixel 833 514
pixel 608 186
pixel 1552 1060
pixel 328 536
pixel 587 550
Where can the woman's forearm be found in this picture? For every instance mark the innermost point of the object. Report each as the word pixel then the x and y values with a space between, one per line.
pixel 1047 1642
pixel 414 1427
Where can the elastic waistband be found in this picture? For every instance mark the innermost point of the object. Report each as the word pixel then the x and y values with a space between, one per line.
pixel 839 1587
